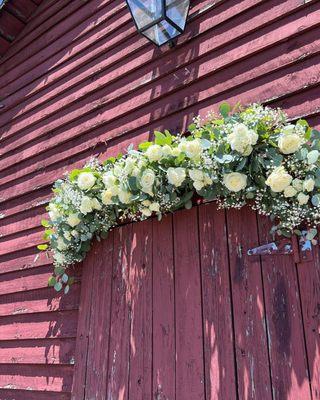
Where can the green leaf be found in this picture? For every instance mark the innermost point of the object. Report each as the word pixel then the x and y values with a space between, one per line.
pixel 58 271
pixel 45 223
pixel 132 182
pixel 42 247
pixel 188 204
pixel 66 289
pixel 144 146
pixel 315 200
pixel 313 156
pixel 192 127
pixel 58 286
pixel 47 234
pixel 64 278
pixel 160 138
pixel 224 109
pixel 52 281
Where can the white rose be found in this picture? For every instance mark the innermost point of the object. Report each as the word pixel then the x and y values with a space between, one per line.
pixel 109 179
pixel 73 220
pixel 289 191
pixel 176 176
pixel 176 152
pixel 86 205
pixel 61 244
pixel 166 150
pixel 154 207
pixel 196 174
pixel 124 196
pixel 147 179
pixel 106 196
pixel 289 143
pixel 146 203
pixel 207 180
pixel 308 185
pixel 95 204
pixel 146 212
pixel 198 185
pixel 297 184
pixel 154 152
pixel 54 212
pixel 235 181
pixel 118 170
pixel 279 179
pixel 86 180
pixel 242 139
pixel 193 149
pixel 129 165
pixel 114 190
pixel 303 198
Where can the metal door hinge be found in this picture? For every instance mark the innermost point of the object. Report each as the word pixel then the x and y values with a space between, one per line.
pixel 283 247
pixel 301 248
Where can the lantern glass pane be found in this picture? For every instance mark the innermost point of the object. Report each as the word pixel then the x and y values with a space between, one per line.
pixel 161 33
pixel 145 12
pixel 177 11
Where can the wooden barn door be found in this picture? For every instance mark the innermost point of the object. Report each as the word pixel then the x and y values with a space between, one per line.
pixel 176 310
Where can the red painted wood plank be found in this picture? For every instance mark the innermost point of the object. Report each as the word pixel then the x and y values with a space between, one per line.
pixel 79 24
pixel 114 111
pixel 22 10
pixel 36 377
pixel 248 308
pixel 82 342
pixel 10 26
pixel 119 349
pixel 309 284
pixel 220 373
pixel 99 331
pixel 21 281
pixel 11 394
pixel 188 307
pixel 38 326
pixel 140 309
pixel 163 327
pixel 289 371
pixel 270 55
pixel 38 351
pixel 98 64
pixel 23 260
pixel 40 300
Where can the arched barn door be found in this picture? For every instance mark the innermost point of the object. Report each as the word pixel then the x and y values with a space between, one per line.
pixel 177 310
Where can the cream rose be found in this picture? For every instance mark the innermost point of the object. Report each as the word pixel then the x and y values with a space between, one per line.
pixel 154 152
pixel 198 185
pixel 147 180
pixel 303 198
pixel 279 179
pixel 176 176
pixel 289 143
pixel 109 179
pixel 235 181
pixel 308 185
pixel 166 151
pixel 193 149
pixel 106 197
pixel 124 196
pixel 196 174
pixel 95 204
pixel 154 207
pixel 289 191
pixel 86 180
pixel 73 220
pixel 242 139
pixel 146 211
pixel 86 205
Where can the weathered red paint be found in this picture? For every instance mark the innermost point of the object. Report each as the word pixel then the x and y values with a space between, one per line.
pixel 79 81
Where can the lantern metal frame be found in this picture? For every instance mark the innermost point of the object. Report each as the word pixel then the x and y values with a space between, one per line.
pixel 163 17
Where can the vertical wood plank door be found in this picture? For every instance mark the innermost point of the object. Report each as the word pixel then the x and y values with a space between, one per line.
pixel 177 310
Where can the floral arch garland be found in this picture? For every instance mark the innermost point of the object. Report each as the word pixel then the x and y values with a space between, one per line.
pixel 243 155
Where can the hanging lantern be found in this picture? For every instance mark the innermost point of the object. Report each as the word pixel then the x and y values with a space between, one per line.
pixel 159 20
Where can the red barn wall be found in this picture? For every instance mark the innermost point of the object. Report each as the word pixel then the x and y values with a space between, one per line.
pixel 80 82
